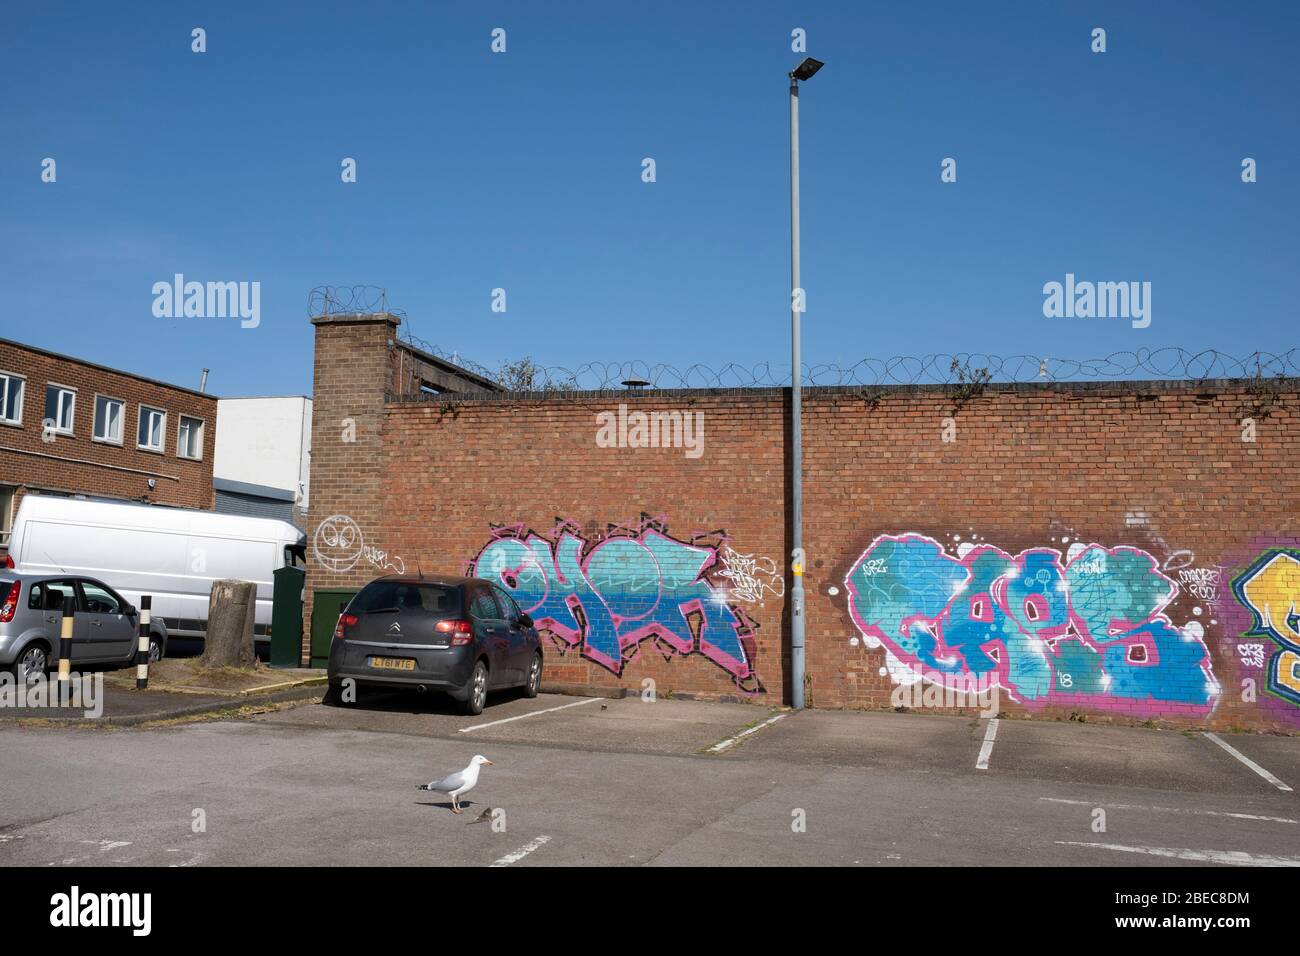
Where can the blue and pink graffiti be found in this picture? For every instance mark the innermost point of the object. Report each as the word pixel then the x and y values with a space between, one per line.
pixel 1086 631
pixel 607 598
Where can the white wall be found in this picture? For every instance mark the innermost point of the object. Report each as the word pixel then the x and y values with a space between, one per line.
pixel 265 441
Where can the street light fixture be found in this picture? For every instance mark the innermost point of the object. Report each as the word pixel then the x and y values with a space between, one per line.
pixel 806 69
pixel 803 71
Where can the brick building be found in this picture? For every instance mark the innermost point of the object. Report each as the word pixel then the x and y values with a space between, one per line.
pixel 1124 551
pixel 73 427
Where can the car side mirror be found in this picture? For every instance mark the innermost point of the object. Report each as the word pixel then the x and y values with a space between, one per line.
pixel 525 620
pixel 130 610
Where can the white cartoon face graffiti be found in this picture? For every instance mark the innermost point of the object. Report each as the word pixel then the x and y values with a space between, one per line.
pixel 337 543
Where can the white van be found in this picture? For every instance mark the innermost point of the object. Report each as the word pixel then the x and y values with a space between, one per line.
pixel 173 554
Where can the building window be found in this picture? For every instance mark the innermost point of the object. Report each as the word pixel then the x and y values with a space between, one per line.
pixel 60 407
pixel 6 514
pixel 189 438
pixel 11 398
pixel 151 428
pixel 108 419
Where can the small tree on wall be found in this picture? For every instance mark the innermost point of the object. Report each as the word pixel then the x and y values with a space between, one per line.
pixel 970 383
pixel 525 375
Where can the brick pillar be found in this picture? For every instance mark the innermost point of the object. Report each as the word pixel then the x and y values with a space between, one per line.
pixel 354 366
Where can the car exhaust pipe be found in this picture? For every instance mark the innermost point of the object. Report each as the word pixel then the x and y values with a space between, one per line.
pixel 421 688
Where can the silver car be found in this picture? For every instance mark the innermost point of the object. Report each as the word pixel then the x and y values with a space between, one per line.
pixel 105 629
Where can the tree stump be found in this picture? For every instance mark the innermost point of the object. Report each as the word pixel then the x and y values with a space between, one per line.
pixel 232 607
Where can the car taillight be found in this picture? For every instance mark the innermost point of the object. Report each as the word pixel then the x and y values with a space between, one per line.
pixel 11 603
pixel 461 632
pixel 341 628
pixel 9 561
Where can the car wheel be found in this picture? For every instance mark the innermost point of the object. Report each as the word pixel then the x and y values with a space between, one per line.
pixel 32 663
pixel 534 683
pixel 334 694
pixel 476 692
pixel 155 649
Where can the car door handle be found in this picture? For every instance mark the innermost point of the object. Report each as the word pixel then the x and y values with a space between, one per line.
pixel 96 623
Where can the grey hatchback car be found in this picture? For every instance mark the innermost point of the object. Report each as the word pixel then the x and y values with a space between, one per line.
pixel 460 636
pixel 105 627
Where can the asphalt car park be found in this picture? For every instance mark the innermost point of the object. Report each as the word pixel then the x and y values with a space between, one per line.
pixel 588 780
pixel 556 720
pixel 1064 752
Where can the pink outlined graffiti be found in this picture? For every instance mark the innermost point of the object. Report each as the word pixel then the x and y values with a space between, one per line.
pixel 1087 630
pixel 607 594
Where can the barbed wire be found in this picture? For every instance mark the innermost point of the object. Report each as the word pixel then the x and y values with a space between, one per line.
pixel 934 369
pixel 455 358
pixel 368 299
pixel 350 300
pixel 937 368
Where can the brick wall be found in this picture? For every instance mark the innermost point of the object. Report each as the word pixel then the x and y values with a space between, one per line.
pixel 75 463
pixel 353 369
pixel 1099 552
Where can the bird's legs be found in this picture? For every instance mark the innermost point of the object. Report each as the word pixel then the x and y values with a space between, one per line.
pixel 455 804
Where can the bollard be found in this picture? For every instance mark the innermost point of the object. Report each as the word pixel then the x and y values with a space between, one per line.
pixel 142 648
pixel 65 647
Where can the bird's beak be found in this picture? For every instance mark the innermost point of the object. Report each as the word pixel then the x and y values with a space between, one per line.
pixel 488 762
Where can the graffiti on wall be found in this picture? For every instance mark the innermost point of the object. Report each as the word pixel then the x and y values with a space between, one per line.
pixel 751 577
pixel 1085 628
pixel 605 595
pixel 339 545
pixel 1270 590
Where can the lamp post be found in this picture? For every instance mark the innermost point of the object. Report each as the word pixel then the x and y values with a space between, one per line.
pixel 804 71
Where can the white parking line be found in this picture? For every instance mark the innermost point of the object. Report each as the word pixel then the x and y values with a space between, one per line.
pixel 548 710
pixel 986 750
pixel 732 741
pixel 523 851
pixel 1204 813
pixel 1249 763
pixel 1230 857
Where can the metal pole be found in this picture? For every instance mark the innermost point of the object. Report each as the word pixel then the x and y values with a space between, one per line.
pixel 796 478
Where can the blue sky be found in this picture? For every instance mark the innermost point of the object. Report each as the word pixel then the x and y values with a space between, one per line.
pixel 522 171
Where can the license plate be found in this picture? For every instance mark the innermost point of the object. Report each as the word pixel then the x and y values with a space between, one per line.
pixel 393 663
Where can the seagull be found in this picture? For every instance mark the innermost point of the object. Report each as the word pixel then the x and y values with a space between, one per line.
pixel 458 783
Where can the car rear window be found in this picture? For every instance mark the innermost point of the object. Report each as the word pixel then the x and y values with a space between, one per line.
pixel 381 596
